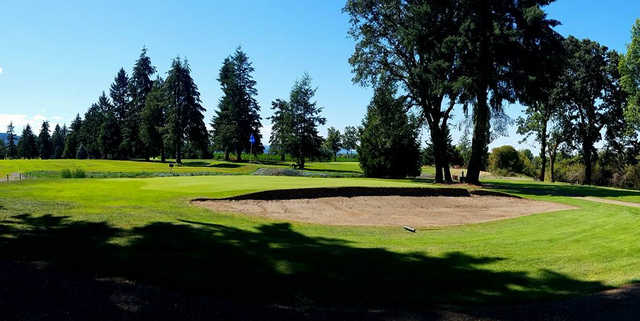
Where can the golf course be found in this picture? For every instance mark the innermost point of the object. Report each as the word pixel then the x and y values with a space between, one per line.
pixel 145 230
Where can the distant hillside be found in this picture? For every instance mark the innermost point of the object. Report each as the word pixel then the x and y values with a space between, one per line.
pixel 3 137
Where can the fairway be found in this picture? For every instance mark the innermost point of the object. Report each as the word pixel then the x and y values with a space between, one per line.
pixel 145 229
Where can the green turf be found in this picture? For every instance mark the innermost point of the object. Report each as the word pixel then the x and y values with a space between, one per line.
pixel 111 168
pixel 145 230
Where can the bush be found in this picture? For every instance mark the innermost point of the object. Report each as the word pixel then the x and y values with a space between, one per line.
pixel 79 173
pixel 66 173
pixel 505 161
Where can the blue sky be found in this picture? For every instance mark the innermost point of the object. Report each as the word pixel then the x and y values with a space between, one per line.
pixel 57 57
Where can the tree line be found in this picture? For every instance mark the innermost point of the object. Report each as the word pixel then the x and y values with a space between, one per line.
pixel 479 55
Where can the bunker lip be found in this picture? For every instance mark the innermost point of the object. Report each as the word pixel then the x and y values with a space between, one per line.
pixel 323 192
pixel 357 206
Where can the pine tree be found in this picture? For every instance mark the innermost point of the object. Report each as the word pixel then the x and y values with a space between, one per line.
pixel 57 140
pixel 28 145
pixel 140 85
pixel 73 138
pixel 12 150
pixel 45 146
pixel 153 123
pixel 185 112
pixel 305 141
pixel 281 127
pixel 223 124
pixel 93 120
pixel 117 130
pixel 389 138
pixel 238 110
pixel 3 149
pixel 109 137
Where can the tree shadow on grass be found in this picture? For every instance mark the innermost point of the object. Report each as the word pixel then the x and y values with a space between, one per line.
pixel 272 265
pixel 542 189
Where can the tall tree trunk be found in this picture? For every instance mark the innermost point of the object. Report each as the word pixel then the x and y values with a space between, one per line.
pixel 178 152
pixel 543 149
pixel 163 156
pixel 238 154
pixel 481 108
pixel 552 163
pixel 437 151
pixel 480 138
pixel 282 157
pixel 586 150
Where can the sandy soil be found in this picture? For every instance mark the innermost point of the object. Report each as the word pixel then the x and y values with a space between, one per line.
pixel 428 211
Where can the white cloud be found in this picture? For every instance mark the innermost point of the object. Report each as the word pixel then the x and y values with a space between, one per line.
pixel 21 120
pixel 1 70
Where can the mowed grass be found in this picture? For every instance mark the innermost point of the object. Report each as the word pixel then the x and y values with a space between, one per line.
pixel 52 167
pixel 146 230
pixel 99 167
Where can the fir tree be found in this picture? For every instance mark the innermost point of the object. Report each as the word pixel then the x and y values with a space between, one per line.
pixel 388 141
pixel 45 145
pixel 73 138
pixel 12 149
pixel 57 140
pixel 185 111
pixel 140 85
pixel 153 123
pixel 28 145
pixel 305 141
pixel 238 115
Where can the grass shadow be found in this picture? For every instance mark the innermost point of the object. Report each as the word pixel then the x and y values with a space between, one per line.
pixel 543 189
pixel 272 265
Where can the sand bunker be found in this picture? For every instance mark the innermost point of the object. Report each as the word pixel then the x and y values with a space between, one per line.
pixel 386 210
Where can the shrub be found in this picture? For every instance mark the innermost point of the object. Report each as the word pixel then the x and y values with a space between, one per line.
pixel 66 173
pixel 79 173
pixel 504 161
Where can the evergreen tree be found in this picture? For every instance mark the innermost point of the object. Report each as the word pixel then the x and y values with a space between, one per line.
pixel 238 109
pixel 119 93
pixel 140 85
pixel 109 137
pixel 57 140
pixel 73 138
pixel 120 147
pixel 389 138
pixel 281 127
pixel 45 145
pixel 154 117
pixel 185 112
pixel 82 152
pixel 333 142
pixel 93 120
pixel 3 150
pixel 305 141
pixel 223 124
pixel 12 150
pixel 28 145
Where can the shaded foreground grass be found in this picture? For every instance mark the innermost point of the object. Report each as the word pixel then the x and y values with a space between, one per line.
pixel 145 230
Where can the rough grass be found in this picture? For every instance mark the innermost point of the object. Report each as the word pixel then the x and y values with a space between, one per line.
pixel 145 230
